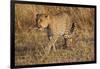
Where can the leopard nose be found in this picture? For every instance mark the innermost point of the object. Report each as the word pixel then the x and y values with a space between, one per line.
pixel 39 26
pixel 40 29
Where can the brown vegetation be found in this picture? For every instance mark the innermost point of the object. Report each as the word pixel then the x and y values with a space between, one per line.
pixel 30 43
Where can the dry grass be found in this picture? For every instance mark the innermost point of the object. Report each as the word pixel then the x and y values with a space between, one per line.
pixel 30 43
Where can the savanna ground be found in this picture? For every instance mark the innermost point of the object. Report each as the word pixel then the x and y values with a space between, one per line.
pixel 30 43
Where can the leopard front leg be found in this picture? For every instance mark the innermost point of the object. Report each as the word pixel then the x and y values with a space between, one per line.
pixel 51 44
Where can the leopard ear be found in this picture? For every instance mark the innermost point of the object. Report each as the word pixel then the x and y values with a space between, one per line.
pixel 38 15
pixel 47 16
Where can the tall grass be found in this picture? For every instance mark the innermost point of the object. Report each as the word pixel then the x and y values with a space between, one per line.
pixel 30 43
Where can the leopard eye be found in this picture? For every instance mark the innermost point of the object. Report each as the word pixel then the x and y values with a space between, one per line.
pixel 40 20
pixel 46 16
